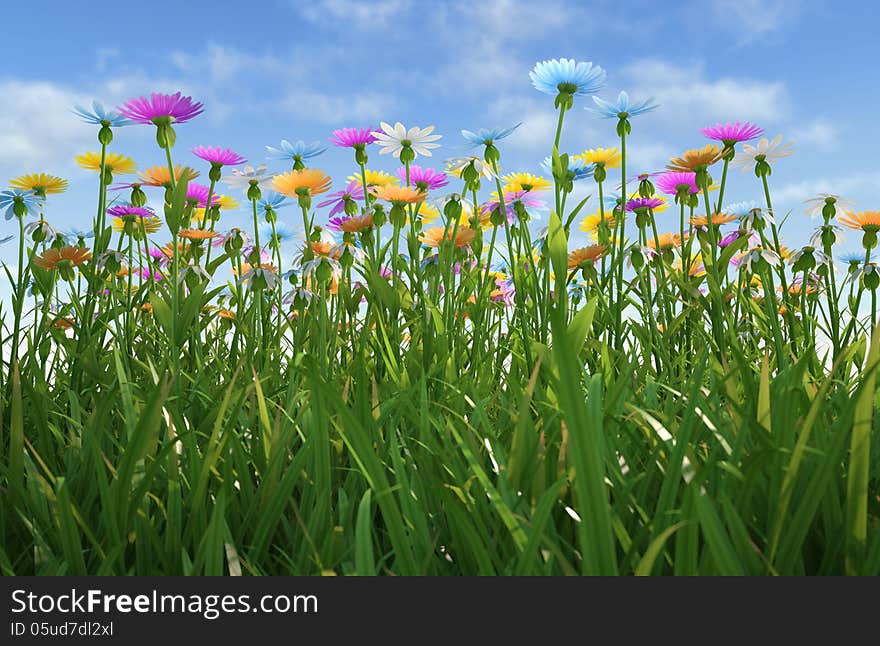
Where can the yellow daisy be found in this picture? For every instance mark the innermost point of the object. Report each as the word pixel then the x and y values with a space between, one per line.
pixel 516 182
pixel 375 178
pixel 114 162
pixel 435 235
pixel 41 183
pixel 151 225
pixel 608 157
pixel 591 222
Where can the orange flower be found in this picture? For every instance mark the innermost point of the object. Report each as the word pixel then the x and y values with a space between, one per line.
pixel 355 224
pixel 435 235
pixel 197 234
pixel 310 181
pixel 226 314
pixel 866 221
pixel 667 241
pixel 585 254
pixel 55 258
pixel 398 194
pixel 717 218
pixel 62 323
pixel 693 159
pixel 160 176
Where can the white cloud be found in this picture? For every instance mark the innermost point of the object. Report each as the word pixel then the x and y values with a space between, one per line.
pixel 376 12
pixel 753 18
pixel 819 133
pixel 685 95
pixel 846 186
pixel 336 108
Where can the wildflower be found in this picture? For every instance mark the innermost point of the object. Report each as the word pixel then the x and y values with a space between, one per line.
pixel 296 152
pixel 678 183
pixel 604 157
pixel 623 108
pixel 826 235
pixel 808 258
pixel 353 137
pixel 653 203
pixel 577 170
pixel 868 222
pixel 434 236
pixel 75 234
pixel 42 184
pixel 732 133
pixel 18 202
pixel 40 231
pixel 398 194
pixel 592 222
pixel 218 203
pixel 248 178
pixel 303 184
pixel 457 166
pixel 136 226
pixel 344 200
pixel 375 178
pixel 762 154
pixel 197 234
pixel 127 210
pixel 487 136
pixel 757 254
pixel 63 259
pixel 162 110
pixel 579 257
pixel 692 160
pixel 281 234
pixel 98 116
pixel 868 271
pixel 405 144
pixel 274 201
pixel 160 176
pixel 717 219
pixel 425 179
pixel 519 200
pixel 829 205
pixel 217 156
pixel 351 223
pixel 113 163
pixel 567 78
pixel 525 182
pixel 234 240
pixel 753 218
pixel 665 242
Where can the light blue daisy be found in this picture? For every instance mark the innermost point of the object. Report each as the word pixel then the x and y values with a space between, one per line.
pixel 8 200
pixel 274 200
pixel 100 117
pixel 487 136
pixel 579 168
pixel 567 76
pixel 297 151
pixel 623 108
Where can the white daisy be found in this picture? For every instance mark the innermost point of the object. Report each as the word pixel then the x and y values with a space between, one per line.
pixel 394 139
pixel 770 151
pixel 243 179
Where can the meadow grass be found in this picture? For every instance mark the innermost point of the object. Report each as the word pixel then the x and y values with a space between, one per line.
pixel 393 407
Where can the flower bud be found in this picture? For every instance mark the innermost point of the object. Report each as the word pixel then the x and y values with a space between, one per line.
pixel 254 193
pixel 214 173
pixel 138 197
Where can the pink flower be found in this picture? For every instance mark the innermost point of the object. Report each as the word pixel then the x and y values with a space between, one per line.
pixel 218 156
pixel 731 133
pixel 425 179
pixel 670 183
pixel 351 137
pixel 644 203
pixel 354 191
pixel 199 193
pixel 177 108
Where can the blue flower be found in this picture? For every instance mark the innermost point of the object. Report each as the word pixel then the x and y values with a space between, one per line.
pixel 853 257
pixel 485 136
pixel 274 200
pixel 623 108
pixel 75 234
pixel 6 239
pixel 578 167
pixel 8 200
pixel 741 209
pixel 283 233
pixel 99 116
pixel 296 151
pixel 567 76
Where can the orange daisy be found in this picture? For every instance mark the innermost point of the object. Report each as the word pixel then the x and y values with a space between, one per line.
pixel 667 241
pixel 197 234
pixel 160 175
pixel 868 221
pixel 585 254
pixel 435 235
pixel 54 258
pixel 308 181
pixel 398 194
pixel 692 159
pixel 717 219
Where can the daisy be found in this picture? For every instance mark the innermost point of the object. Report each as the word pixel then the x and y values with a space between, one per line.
pixel 41 231
pixel 456 165
pixel 351 223
pixel 732 133
pixel 425 179
pixel 63 259
pixel 717 219
pixel 353 137
pixel 19 202
pixel 841 206
pixel 375 178
pixel 756 254
pixel 762 154
pixel 567 76
pixel 867 221
pixel 577 170
pixel 665 242
pixel 653 203
pixel 42 184
pixel 98 116
pixel 115 163
pixel 217 156
pixel 398 194
pixel 344 200
pixel 525 182
pixel 136 226
pixel 250 176
pixel 580 257
pixel 693 159
pixel 295 152
pixel 677 183
pixel 160 175
pixel 161 109
pixel 396 139
pixel 623 108
pixel 434 236
pixel 197 234
pixel 487 136
pixel 604 157
pixel 299 183
pixel 591 222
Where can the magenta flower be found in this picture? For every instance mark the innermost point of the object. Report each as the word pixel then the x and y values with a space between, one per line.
pixel 199 193
pixel 123 210
pixel 164 107
pixel 154 276
pixel 351 137
pixel 218 156
pixel 732 133
pixel 159 256
pixel 527 199
pixel 354 191
pixel 424 179
pixel 644 203
pixel 673 182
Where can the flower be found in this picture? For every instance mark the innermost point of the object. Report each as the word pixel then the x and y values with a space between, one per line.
pixel 578 169
pixel 842 206
pixel 273 200
pixel 456 165
pixel 297 151
pixel 375 178
pixel 351 223
pixel 741 209
pixel 197 234
pixel 40 183
pixel 55 258
pixel 435 235
pixel 161 176
pixel 485 137
pixel 606 157
pixel 732 133
pixel 623 108
pixel 765 151
pixel 398 194
pixel 48 233
pixel 100 117
pixel 653 203
pixel 853 257
pixel 223 202
pixel 339 199
pixel 579 257
pixel 129 211
pixel 868 221
pixel 309 181
pixel 351 137
pixel 218 156
pixel 755 254
pixel 248 177
pixel 525 182
pixel 425 179
pixel 149 224
pixel 525 198
pixel 690 160
pixel 170 107
pixel 198 194
pixel 666 241
pixel 114 162
pixel 717 219
pixel 27 200
pixel 567 76
pixel 591 222
pixel 394 139
pixel 675 182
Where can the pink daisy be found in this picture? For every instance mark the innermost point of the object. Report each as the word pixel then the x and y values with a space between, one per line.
pixel 351 137
pixel 731 133
pixel 199 193
pixel 177 108
pixel 354 191
pixel 671 182
pixel 425 179
pixel 218 156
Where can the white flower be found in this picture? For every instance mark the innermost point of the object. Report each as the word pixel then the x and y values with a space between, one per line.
pixel 48 232
pixel 393 139
pixel 757 253
pixel 839 234
pixel 268 274
pixel 455 165
pixel 866 269
pixel 242 178
pixel 842 205
pixel 771 151
pixel 357 253
pixel 193 269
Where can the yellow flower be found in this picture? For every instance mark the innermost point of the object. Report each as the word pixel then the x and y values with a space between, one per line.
pixel 690 160
pixel 375 178
pixel 585 254
pixel 516 182
pixel 159 175
pixel 435 235
pixel 717 219
pixel 41 183
pixel 151 225
pixel 114 162
pixel 225 202
pixel 608 157
pixel 591 223
pixel 309 180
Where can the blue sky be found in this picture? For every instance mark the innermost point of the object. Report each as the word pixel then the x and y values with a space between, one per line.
pixel 297 70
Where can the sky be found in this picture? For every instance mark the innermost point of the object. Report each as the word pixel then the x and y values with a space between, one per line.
pixel 285 69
